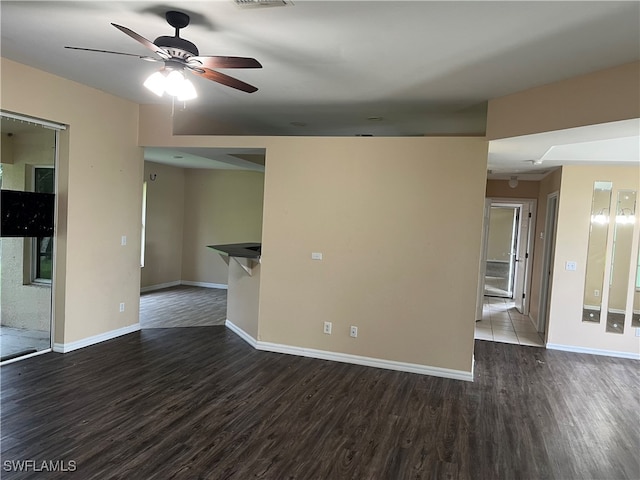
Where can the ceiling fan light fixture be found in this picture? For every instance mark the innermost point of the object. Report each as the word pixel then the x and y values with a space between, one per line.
pixel 156 83
pixel 187 91
pixel 173 83
pixel 179 54
pixel 175 79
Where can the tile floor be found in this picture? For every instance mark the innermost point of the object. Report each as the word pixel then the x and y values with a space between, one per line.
pixel 501 322
pixel 16 340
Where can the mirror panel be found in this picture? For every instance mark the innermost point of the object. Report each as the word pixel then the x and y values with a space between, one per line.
pixel 596 253
pixel 635 319
pixel 621 260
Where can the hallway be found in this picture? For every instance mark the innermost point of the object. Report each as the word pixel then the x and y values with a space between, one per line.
pixel 501 322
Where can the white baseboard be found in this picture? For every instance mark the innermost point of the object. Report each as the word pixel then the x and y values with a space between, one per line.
pixel 593 351
pixel 160 286
pixel 204 284
pixel 23 357
pixel 85 342
pixel 353 359
pixel 241 333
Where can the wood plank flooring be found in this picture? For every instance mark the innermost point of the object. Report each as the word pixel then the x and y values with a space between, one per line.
pixel 200 403
pixel 183 306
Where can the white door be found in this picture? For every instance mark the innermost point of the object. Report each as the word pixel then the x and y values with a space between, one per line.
pixel 521 260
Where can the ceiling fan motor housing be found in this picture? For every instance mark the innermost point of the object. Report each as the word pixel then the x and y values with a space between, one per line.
pixel 177 47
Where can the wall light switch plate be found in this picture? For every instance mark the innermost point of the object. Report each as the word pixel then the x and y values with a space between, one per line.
pixel 123 240
pixel 316 256
pixel 570 266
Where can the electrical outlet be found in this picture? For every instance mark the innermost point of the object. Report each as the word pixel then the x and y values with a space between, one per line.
pixel 122 307
pixel 123 240
pixel 570 266
pixel 354 331
pixel 596 293
pixel 316 255
pixel 327 328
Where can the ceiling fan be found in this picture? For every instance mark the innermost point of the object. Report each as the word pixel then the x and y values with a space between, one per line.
pixel 178 55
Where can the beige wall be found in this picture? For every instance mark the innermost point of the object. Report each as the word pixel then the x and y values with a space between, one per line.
pixel 221 206
pixel 23 304
pixel 164 225
pixel 565 321
pixel 243 299
pixel 99 191
pixel 395 264
pixel 548 185
pixel 600 97
pixel 501 189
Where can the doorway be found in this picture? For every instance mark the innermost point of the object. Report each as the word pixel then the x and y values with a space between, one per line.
pixel 28 181
pixel 501 251
pixel 507 259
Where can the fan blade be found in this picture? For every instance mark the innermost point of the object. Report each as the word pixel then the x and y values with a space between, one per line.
pixel 224 62
pixel 224 79
pixel 139 38
pixel 149 59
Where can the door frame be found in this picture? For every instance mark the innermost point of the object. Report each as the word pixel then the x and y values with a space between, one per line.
pixel 57 128
pixel 531 203
pixel 546 280
pixel 482 270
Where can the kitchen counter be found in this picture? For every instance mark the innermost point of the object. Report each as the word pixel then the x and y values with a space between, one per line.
pixel 242 250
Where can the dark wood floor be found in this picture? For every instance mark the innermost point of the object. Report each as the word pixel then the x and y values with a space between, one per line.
pixel 183 306
pixel 200 403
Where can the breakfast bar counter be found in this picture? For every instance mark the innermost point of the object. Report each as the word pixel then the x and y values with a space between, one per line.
pixel 243 287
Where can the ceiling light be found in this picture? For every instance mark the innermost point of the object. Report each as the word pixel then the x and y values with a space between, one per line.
pixel 513 181
pixel 625 216
pixel 155 83
pixel 173 83
pixel 536 162
pixel 187 91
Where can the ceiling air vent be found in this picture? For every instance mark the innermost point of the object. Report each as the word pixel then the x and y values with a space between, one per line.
pixel 262 3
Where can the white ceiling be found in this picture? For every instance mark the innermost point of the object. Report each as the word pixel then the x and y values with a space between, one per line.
pixel 383 68
pixel 212 158
pixel 614 143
